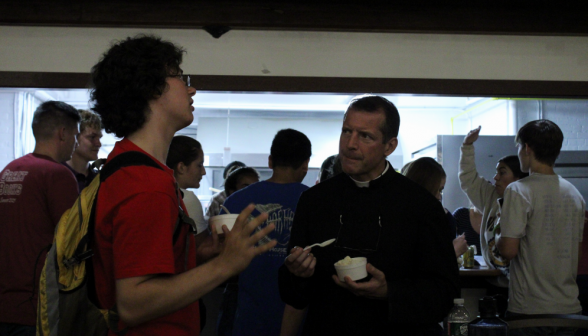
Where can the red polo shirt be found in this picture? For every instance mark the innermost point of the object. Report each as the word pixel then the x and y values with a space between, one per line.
pixel 136 214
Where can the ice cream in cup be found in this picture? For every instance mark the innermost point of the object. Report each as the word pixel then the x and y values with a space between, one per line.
pixel 355 268
pixel 220 220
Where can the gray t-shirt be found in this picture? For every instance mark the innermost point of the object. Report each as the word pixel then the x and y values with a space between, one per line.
pixel 546 213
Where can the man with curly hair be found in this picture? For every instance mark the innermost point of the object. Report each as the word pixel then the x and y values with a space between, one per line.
pixel 141 96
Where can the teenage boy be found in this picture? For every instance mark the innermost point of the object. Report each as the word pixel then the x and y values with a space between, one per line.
pixel 542 221
pixel 35 190
pixel 87 149
pixel 140 93
pixel 259 307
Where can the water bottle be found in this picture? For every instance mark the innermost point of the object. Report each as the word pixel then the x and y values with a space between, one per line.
pixel 457 321
pixel 488 324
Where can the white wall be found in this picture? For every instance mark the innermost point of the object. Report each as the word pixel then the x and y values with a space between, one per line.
pixel 6 128
pixel 254 136
pixel 419 128
pixel 290 53
pixel 496 118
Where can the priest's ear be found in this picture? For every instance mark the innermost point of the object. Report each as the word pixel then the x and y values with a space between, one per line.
pixel 390 146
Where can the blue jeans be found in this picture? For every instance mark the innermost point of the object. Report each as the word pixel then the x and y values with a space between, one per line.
pixel 13 329
pixel 228 308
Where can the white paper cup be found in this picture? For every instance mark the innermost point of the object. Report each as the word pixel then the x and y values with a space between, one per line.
pixel 356 271
pixel 220 220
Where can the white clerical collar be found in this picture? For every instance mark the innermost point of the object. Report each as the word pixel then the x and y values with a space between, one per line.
pixel 366 184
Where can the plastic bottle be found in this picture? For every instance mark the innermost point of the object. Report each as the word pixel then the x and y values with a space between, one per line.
pixel 488 324
pixel 457 321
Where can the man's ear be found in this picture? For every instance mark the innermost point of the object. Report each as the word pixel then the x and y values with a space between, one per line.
pixel 62 133
pixel 270 162
pixel 391 146
pixel 528 150
pixel 306 165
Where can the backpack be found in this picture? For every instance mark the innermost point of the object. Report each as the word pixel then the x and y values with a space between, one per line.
pixel 67 295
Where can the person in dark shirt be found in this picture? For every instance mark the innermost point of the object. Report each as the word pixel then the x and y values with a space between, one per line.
pixel 330 167
pixel 374 212
pixel 468 222
pixel 87 149
pixel 430 175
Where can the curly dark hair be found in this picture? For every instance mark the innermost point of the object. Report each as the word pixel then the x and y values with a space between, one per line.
pixel 130 74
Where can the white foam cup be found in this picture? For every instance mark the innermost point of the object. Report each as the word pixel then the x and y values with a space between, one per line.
pixel 356 271
pixel 220 220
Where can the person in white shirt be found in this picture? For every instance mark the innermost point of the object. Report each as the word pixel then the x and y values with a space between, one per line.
pixel 542 223
pixel 186 158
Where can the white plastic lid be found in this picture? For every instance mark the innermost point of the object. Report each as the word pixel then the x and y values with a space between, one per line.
pixel 458 301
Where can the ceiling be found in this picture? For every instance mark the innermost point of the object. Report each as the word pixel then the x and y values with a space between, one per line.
pixel 219 16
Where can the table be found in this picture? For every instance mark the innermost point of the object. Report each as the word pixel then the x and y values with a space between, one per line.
pixel 481 270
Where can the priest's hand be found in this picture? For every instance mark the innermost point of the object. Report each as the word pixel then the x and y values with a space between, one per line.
pixel 300 263
pixel 375 288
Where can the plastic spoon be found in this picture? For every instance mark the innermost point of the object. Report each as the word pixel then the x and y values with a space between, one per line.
pixel 226 210
pixel 323 244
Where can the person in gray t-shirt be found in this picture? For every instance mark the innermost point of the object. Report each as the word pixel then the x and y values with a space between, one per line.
pixel 542 223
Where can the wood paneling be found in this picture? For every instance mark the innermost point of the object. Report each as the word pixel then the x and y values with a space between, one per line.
pixel 454 87
pixel 56 80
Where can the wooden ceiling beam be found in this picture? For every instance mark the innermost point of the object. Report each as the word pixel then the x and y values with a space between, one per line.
pixel 497 17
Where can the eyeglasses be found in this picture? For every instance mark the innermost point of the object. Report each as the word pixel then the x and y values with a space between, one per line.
pixel 369 241
pixel 185 79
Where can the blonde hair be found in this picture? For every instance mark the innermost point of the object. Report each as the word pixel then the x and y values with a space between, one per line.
pixel 89 119
pixel 426 172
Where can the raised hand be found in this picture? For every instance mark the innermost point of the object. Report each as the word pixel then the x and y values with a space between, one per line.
pixel 376 288
pixel 472 136
pixel 240 246
pixel 300 263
